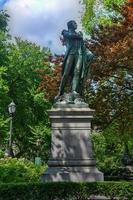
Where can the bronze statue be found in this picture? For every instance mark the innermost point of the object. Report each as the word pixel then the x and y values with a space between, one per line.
pixel 75 65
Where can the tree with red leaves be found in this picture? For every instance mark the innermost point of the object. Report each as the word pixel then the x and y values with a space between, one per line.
pixel 50 80
pixel 112 94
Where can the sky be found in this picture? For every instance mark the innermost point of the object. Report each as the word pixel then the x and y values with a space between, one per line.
pixel 41 21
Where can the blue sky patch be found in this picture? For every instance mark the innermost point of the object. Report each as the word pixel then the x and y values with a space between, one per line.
pixel 2 2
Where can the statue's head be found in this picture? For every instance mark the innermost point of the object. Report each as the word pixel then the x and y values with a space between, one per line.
pixel 72 25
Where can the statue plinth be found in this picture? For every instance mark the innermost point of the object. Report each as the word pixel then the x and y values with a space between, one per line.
pixel 71 150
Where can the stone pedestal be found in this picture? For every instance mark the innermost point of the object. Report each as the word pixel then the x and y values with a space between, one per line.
pixel 128 173
pixel 71 151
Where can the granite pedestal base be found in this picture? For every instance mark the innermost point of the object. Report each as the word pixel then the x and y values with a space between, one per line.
pixel 71 150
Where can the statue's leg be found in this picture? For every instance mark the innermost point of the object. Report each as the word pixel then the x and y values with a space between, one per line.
pixel 77 72
pixel 68 66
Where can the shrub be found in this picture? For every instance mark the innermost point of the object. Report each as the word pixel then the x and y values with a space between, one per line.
pixel 65 191
pixel 19 170
pixel 1 154
pixel 108 153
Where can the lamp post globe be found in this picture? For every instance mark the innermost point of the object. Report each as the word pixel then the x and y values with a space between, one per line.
pixel 12 108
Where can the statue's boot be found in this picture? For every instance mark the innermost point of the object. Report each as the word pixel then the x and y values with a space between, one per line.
pixel 57 98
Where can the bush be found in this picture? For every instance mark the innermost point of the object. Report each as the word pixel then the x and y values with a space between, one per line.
pixel 1 154
pixel 108 153
pixel 19 170
pixel 65 191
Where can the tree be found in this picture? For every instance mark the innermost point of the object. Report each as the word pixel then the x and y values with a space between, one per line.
pixel 3 36
pixel 112 73
pixel 3 83
pixel 20 63
pixel 22 80
pixel 100 13
pixel 25 60
pixel 50 79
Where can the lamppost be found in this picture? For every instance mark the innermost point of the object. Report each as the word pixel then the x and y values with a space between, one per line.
pixel 11 110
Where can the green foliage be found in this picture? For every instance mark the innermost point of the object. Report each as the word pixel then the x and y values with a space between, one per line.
pixel 19 170
pixel 108 152
pixel 4 89
pixel 111 3
pixel 3 48
pixel 113 104
pixel 65 191
pixel 3 37
pixel 88 14
pixel 20 63
pixel 4 17
pixel 112 96
pixel 3 131
pixel 20 81
pixel 39 142
pixel 105 20
pixel 108 13
pixel 3 102
pixel 1 154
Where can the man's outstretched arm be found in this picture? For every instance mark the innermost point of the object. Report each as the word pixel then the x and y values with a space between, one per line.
pixel 67 34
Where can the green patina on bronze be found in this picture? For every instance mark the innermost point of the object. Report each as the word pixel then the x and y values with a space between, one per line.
pixel 75 66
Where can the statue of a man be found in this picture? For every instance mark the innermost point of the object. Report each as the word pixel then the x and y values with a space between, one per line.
pixel 75 65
